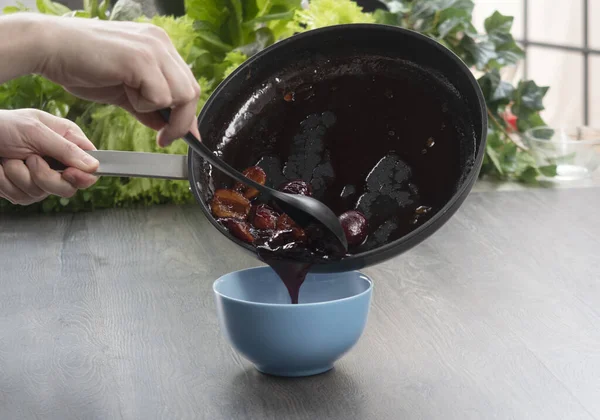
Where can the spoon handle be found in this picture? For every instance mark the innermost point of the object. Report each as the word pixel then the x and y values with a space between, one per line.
pixel 200 148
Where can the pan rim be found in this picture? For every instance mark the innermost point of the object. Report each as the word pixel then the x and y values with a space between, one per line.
pixel 413 238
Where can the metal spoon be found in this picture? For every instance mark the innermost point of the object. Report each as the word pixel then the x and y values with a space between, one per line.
pixel 303 210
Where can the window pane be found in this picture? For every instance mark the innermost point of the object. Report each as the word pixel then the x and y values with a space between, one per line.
pixel 556 21
pixel 595 91
pixel 563 72
pixel 593 20
pixel 514 8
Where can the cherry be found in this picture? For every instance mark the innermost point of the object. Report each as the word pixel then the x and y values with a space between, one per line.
pixel 355 227
pixel 298 187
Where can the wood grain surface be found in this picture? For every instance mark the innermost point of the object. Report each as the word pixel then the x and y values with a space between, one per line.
pixel 110 315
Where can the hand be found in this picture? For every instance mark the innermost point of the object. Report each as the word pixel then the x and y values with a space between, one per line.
pixel 132 65
pixel 28 134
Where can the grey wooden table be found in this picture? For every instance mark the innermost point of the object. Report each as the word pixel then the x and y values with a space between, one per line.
pixel 111 316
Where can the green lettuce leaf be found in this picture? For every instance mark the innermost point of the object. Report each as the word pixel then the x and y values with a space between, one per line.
pixel 323 13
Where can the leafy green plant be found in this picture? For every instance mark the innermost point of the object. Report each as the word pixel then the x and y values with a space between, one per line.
pixel 216 36
pixel 450 23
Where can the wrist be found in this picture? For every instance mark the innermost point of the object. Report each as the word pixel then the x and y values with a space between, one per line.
pixel 41 38
pixel 24 44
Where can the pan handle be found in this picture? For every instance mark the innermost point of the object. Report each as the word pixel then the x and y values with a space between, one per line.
pixel 134 164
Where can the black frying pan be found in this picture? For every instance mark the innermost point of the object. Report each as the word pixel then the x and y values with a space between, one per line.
pixel 246 97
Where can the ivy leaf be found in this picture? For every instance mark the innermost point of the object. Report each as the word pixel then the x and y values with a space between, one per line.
pixel 497 27
pixel 527 103
pixel 548 170
pixel 397 6
pixel 529 120
pixel 526 169
pixel 424 9
pixel 427 15
pixel 453 20
pixel 529 175
pixel 496 91
pixel 494 158
pixel 508 156
pixel 508 53
pixel 497 24
pixel 528 97
pixel 478 51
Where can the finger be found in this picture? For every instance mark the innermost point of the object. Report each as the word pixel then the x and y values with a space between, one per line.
pixel 149 119
pixel 181 121
pixel 47 179
pixel 115 95
pixel 195 130
pixel 185 98
pixel 79 179
pixel 16 171
pixel 152 93
pixel 112 95
pixel 68 130
pixel 49 143
pixel 12 192
pixel 176 75
pixel 187 70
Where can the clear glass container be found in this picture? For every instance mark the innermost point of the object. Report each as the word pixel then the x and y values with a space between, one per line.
pixel 575 151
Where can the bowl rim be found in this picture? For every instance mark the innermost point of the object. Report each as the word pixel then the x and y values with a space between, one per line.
pixel 529 137
pixel 362 275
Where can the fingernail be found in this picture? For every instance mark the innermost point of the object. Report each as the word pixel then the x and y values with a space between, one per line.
pixel 89 160
pixel 69 178
pixel 160 139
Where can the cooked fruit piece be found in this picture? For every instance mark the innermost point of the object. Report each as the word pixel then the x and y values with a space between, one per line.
pixel 299 234
pixel 256 174
pixel 238 228
pixel 263 217
pixel 289 97
pixel 422 210
pixel 285 222
pixel 229 203
pixel 355 227
pixel 298 187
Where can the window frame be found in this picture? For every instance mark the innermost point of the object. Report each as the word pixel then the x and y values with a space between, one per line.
pixel 585 51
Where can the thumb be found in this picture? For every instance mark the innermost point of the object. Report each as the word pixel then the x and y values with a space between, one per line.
pixel 49 143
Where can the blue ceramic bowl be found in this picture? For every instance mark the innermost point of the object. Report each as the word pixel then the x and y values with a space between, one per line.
pixel 282 339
